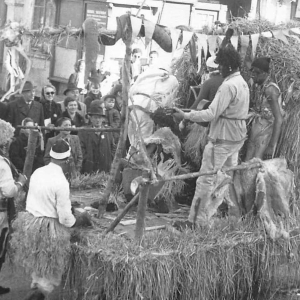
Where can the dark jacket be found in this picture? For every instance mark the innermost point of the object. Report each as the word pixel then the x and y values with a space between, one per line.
pixel 52 110
pixel 114 121
pixel 114 118
pixel 3 110
pixel 78 120
pixel 97 151
pixel 89 98
pixel 17 153
pixel 76 153
pixel 18 110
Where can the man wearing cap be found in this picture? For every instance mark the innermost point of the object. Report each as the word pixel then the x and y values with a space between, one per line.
pixel 73 91
pixel 227 115
pixel 210 86
pixel 97 147
pixel 41 237
pixel 25 107
pixel 266 125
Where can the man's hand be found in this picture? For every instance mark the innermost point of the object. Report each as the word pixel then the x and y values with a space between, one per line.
pixel 177 113
pixel 83 220
pixel 269 152
pixel 22 179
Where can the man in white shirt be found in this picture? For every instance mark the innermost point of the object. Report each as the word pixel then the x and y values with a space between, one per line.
pixel 45 224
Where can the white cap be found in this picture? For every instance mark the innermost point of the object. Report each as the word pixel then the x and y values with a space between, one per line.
pixel 60 150
pixel 210 63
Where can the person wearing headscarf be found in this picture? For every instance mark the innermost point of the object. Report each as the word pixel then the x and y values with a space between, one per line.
pixel 9 189
pixel 268 113
pixel 227 115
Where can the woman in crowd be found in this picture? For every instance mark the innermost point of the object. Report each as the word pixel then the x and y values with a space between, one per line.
pixel 75 160
pixel 18 148
pixel 71 112
pixel 117 92
pixel 52 109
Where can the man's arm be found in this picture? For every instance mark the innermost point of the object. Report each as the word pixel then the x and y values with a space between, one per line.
pixel 272 95
pixel 63 205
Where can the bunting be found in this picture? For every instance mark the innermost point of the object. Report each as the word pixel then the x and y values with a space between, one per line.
pixel 175 36
pixel 235 41
pixel 280 36
pixel 244 45
pixel 202 44
pixel 149 30
pixel 136 24
pixel 254 40
pixel 212 44
pixel 186 37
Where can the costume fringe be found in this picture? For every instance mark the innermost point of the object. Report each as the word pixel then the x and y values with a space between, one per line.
pixel 40 245
pixel 195 143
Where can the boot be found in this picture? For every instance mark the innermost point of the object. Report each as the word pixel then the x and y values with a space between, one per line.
pixel 36 295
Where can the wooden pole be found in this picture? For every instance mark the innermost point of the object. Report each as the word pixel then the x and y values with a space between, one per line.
pixel 141 211
pixel 244 166
pixel 31 146
pixel 117 220
pixel 71 129
pixel 124 124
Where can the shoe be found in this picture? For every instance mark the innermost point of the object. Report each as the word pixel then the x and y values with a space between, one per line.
pixel 183 225
pixel 4 290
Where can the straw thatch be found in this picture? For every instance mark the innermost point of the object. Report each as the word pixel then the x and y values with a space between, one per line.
pixel 227 261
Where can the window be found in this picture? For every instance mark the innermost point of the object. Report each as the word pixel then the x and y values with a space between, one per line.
pixel 39 14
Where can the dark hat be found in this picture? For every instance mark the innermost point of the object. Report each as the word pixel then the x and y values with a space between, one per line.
pixel 96 108
pixel 28 86
pixel 60 150
pixel 262 63
pixel 71 87
pixel 94 77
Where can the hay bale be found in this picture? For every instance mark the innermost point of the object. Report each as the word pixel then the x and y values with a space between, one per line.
pixel 227 261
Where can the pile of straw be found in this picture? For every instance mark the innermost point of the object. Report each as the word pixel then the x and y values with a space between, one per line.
pixel 227 261
pixel 88 181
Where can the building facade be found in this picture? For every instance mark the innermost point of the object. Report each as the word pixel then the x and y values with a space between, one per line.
pixel 54 61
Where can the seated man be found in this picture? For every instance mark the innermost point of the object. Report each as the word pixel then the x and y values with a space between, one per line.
pixel 44 226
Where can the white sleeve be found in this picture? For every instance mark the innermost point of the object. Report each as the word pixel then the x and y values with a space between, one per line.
pixel 63 205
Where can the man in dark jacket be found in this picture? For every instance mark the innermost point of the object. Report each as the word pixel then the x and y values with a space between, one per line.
pixel 97 147
pixel 25 107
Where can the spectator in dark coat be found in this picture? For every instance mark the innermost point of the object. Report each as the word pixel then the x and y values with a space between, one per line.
pixel 3 110
pixel 75 160
pixel 52 109
pixel 112 114
pixel 97 147
pixel 18 149
pixel 25 107
pixel 94 90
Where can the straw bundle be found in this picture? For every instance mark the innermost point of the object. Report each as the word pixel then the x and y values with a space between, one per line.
pixel 226 261
pixel 87 181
